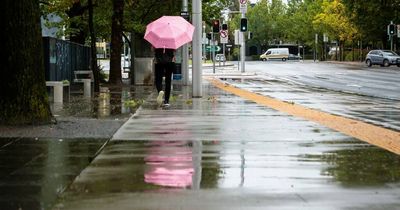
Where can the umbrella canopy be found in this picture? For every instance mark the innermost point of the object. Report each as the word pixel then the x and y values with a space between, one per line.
pixel 169 32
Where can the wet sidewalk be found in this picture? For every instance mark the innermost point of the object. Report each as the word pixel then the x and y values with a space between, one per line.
pixel 224 152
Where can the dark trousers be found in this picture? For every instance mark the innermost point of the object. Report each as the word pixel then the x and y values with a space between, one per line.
pixel 164 69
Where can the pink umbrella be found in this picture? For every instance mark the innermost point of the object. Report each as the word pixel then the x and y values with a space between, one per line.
pixel 169 32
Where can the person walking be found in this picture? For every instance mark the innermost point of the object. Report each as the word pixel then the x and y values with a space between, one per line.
pixel 164 66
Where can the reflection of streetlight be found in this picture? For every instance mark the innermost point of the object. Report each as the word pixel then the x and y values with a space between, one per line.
pixel 104 102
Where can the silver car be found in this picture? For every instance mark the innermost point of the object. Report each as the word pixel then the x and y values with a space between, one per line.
pixel 383 58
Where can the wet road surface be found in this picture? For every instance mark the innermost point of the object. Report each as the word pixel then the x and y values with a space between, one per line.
pixel 223 152
pixel 381 82
pixel 378 111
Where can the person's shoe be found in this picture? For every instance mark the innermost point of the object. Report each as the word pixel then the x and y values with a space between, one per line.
pixel 160 98
pixel 166 105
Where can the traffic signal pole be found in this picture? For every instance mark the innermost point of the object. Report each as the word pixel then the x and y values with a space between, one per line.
pixel 243 48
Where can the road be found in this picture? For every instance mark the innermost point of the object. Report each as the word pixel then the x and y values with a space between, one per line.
pixel 353 91
pixel 376 81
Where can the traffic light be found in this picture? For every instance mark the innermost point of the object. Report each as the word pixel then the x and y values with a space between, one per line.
pixel 243 24
pixel 224 26
pixel 250 36
pixel 215 26
pixel 392 29
pixel 208 35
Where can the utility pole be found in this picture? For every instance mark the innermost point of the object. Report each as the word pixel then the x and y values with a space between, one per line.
pixel 185 49
pixel 213 51
pixel 196 47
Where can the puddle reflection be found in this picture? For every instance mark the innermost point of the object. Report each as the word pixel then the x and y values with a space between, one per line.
pixel 104 107
pixel 108 103
pixel 169 164
pixel 363 167
pixel 36 171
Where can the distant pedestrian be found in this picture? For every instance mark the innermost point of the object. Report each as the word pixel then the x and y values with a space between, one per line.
pixel 165 65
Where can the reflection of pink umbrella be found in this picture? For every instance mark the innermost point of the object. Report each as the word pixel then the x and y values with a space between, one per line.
pixel 169 32
pixel 169 164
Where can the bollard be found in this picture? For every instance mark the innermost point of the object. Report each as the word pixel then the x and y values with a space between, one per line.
pixel 87 87
pixel 58 93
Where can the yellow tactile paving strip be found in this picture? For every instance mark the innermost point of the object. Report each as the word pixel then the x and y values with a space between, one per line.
pixel 381 137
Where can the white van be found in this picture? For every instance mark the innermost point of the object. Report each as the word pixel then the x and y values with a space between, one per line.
pixel 275 54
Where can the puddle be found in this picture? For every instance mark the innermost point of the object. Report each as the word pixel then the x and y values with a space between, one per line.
pixel 34 172
pixel 108 103
pixel 132 166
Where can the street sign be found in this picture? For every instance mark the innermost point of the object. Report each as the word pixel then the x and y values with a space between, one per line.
pixel 213 48
pixel 243 6
pixel 223 35
pixel 185 15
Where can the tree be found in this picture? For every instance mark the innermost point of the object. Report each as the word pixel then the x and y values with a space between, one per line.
pixel 23 91
pixel 334 21
pixel 267 22
pixel 93 50
pixel 300 17
pixel 116 42
pixel 372 18
pixel 259 23
pixel 78 25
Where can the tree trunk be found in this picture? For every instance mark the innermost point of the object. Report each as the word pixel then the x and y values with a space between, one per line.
pixel 93 60
pixel 132 67
pixel 22 86
pixel 116 42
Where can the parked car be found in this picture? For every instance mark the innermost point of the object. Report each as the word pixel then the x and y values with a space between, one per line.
pixel 220 58
pixel 382 57
pixel 294 57
pixel 275 53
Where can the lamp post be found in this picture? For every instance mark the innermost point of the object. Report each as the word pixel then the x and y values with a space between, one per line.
pixel 196 47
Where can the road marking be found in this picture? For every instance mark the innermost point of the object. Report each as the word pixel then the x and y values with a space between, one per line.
pixel 354 85
pixel 378 136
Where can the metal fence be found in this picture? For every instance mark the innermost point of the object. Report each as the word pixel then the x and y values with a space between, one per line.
pixel 62 58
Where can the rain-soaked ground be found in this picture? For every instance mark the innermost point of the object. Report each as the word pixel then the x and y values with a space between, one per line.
pixel 110 103
pixel 218 152
pixel 37 163
pixel 223 152
pixel 34 172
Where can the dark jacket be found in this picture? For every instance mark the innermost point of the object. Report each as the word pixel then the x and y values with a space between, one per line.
pixel 164 55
